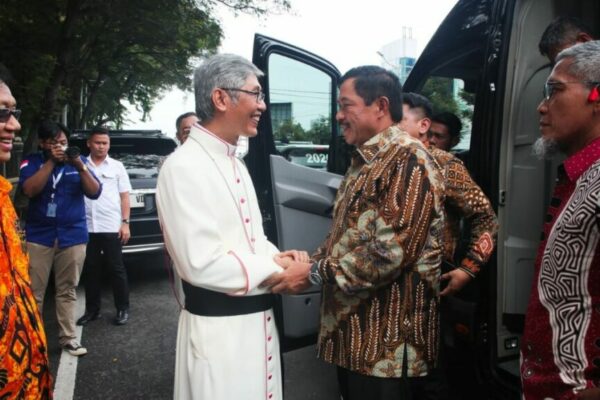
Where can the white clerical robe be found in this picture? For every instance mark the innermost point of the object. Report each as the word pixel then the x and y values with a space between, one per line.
pixel 213 231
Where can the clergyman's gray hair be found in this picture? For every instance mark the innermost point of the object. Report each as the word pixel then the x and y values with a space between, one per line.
pixel 585 60
pixel 220 71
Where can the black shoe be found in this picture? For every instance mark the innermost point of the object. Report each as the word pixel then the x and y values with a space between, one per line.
pixel 87 317
pixel 122 317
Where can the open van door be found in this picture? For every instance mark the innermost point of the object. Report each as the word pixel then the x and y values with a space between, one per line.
pixel 288 163
pixel 485 54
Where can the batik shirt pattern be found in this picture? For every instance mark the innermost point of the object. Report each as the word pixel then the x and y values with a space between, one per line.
pixel 466 201
pixel 560 351
pixel 24 372
pixel 381 261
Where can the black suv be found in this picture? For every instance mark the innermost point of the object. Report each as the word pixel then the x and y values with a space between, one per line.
pixel 141 152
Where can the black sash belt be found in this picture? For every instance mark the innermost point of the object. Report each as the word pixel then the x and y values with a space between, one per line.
pixel 199 301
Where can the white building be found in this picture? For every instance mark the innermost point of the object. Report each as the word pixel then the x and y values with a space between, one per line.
pixel 400 55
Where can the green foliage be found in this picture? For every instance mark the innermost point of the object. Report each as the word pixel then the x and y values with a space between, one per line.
pixel 255 7
pixel 440 91
pixel 289 130
pixel 320 130
pixel 87 56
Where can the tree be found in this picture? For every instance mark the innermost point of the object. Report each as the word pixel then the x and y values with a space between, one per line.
pixel 87 56
pixel 289 130
pixel 320 130
pixel 440 91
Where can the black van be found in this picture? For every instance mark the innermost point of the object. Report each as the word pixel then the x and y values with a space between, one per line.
pixel 488 49
pixel 141 152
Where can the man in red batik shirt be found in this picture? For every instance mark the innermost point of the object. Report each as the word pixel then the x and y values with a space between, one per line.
pixel 560 353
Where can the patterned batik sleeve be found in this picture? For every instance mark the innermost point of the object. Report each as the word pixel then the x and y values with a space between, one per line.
pixel 465 197
pixel 320 253
pixel 388 233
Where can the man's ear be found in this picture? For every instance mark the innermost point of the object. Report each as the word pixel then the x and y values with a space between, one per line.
pixel 424 125
pixel 220 99
pixel 594 98
pixel 594 95
pixel 383 104
pixel 583 37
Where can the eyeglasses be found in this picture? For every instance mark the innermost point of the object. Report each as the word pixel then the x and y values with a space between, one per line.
pixel 550 87
pixel 5 114
pixel 259 94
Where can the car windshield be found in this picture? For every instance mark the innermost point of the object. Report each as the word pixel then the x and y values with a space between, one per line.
pixel 141 156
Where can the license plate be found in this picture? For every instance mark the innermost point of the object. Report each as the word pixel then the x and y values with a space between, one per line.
pixel 316 158
pixel 136 200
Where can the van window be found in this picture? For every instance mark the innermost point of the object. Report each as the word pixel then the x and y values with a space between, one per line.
pixel 449 95
pixel 300 109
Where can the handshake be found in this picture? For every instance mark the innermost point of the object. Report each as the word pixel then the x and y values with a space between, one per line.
pixel 294 276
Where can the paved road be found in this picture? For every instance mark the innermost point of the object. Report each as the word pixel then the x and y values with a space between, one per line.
pixel 136 361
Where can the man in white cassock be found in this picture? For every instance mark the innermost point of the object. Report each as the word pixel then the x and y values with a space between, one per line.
pixel 227 342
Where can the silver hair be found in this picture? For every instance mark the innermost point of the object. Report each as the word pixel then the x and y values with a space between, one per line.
pixel 544 148
pixel 220 71
pixel 585 60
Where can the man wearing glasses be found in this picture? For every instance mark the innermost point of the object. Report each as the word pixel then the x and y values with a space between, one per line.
pixel 24 371
pixel 560 351
pixel 227 343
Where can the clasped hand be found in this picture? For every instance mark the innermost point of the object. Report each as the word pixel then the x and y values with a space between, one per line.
pixel 294 277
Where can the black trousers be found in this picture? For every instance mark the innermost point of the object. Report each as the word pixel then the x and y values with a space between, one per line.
pixel 354 386
pixel 105 248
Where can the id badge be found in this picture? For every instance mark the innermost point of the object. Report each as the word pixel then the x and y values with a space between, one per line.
pixel 51 213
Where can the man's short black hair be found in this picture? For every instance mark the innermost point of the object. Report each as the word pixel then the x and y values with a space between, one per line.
pixel 182 117
pixel 372 82
pixel 99 130
pixel 451 121
pixel 415 100
pixel 51 130
pixel 561 31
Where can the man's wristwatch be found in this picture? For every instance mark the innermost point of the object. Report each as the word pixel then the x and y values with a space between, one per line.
pixel 125 221
pixel 313 276
pixel 84 168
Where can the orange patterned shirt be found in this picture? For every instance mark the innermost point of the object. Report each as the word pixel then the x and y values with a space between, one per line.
pixel 24 372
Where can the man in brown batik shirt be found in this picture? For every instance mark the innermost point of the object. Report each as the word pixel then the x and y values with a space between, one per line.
pixel 380 264
pixel 464 199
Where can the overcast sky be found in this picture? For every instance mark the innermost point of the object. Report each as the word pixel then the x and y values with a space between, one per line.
pixel 345 35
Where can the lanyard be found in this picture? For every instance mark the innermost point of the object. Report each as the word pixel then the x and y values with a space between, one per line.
pixel 55 179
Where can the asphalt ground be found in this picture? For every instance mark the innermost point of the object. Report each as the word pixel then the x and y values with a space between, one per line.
pixel 136 361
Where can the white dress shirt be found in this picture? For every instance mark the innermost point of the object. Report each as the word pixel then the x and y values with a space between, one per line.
pixel 104 214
